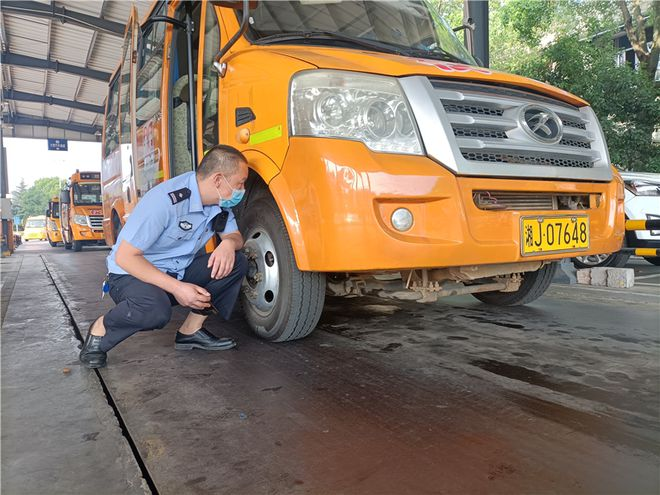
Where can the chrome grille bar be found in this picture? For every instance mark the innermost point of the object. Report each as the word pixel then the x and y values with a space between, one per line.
pixel 481 129
pixel 96 221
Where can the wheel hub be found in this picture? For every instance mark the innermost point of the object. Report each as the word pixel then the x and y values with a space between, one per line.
pixel 261 286
pixel 592 259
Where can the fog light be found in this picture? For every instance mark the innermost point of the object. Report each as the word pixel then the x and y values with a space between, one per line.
pixel 402 219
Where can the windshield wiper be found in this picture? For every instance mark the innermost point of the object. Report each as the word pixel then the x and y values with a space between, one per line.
pixel 380 46
pixel 315 35
pixel 436 54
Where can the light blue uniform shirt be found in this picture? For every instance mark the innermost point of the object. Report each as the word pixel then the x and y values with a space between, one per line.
pixel 170 230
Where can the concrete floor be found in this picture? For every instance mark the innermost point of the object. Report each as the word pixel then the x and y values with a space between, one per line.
pixel 562 396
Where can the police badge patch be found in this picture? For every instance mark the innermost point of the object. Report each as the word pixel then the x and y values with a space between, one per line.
pixel 184 225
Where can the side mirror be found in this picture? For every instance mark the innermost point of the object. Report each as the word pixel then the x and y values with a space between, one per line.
pixel 64 196
pixel 47 212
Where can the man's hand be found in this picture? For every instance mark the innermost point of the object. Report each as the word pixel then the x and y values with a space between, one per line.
pixel 222 260
pixel 192 296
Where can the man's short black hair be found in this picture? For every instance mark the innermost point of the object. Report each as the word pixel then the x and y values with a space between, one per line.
pixel 220 158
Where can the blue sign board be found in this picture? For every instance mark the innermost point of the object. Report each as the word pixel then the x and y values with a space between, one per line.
pixel 58 145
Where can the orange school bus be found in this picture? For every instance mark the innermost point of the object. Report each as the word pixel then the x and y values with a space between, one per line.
pixel 383 159
pixel 80 211
pixel 53 224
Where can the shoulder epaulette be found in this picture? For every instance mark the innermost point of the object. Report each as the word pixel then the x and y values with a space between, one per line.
pixel 179 195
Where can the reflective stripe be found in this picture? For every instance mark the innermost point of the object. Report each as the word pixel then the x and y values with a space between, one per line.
pixel 646 252
pixel 642 225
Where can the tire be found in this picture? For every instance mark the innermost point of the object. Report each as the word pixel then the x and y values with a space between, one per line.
pixel 614 260
pixel 77 246
pixel 533 286
pixel 67 245
pixel 654 260
pixel 280 302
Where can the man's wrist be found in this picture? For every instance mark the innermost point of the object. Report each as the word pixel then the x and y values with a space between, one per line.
pixel 229 242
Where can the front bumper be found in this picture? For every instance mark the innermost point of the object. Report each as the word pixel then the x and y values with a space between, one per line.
pixel 30 236
pixel 55 235
pixel 337 197
pixel 87 234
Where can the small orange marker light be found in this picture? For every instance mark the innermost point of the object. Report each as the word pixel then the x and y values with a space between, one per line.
pixel 243 136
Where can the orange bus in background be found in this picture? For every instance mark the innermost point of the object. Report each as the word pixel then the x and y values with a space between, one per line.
pixel 81 211
pixel 53 224
pixel 383 159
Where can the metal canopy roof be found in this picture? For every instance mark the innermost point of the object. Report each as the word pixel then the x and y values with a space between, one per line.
pixel 57 58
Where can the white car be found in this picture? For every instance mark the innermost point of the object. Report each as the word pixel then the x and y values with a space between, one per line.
pixel 642 203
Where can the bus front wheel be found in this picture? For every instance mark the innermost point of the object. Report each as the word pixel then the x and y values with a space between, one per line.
pixel 67 244
pixel 280 302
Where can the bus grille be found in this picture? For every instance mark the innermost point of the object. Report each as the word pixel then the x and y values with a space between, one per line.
pixel 523 200
pixel 487 127
pixel 96 222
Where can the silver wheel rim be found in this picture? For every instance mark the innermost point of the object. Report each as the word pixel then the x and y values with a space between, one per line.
pixel 593 259
pixel 262 283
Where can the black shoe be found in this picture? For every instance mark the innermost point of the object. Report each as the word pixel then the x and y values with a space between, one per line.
pixel 202 339
pixel 91 354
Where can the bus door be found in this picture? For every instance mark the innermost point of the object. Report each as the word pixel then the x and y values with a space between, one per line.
pixel 150 154
pixel 207 84
pixel 126 111
pixel 184 52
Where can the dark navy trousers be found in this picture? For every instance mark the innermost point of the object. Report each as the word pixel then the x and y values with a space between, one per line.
pixel 142 306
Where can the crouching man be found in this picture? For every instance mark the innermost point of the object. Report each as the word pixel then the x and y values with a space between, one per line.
pixel 156 261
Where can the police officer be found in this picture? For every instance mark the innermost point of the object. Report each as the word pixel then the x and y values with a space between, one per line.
pixel 156 261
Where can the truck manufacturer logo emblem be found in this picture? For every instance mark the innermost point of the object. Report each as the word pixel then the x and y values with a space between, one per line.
pixel 183 225
pixel 541 123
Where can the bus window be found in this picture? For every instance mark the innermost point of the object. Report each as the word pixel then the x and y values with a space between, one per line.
pixel 210 81
pixel 111 132
pixel 125 95
pixel 86 193
pixel 149 170
pixel 54 207
pixel 150 72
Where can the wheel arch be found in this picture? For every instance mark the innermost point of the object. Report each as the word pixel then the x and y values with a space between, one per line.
pixel 264 179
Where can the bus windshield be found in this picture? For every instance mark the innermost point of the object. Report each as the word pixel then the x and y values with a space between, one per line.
pixel 405 27
pixel 54 210
pixel 87 193
pixel 35 224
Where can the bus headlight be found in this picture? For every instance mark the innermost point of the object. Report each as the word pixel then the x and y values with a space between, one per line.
pixel 52 225
pixel 80 219
pixel 361 107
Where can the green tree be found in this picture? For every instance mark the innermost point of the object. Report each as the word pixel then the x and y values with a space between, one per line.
pixel 634 22
pixel 16 196
pixel 568 44
pixel 34 200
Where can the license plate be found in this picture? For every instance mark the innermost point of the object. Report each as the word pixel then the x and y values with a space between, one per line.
pixel 539 235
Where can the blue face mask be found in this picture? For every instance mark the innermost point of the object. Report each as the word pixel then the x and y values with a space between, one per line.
pixel 236 196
